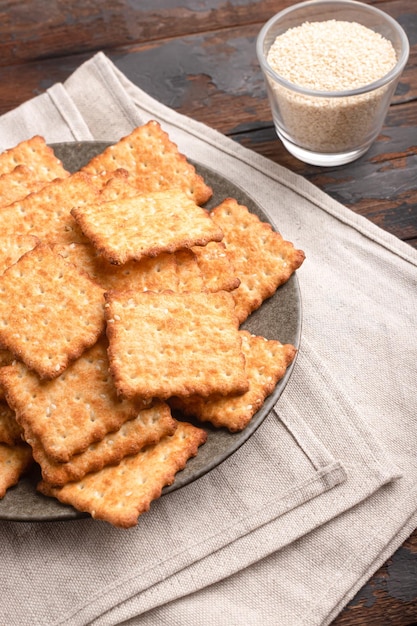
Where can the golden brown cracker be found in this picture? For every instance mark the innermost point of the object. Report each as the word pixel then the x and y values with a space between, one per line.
pixel 13 247
pixel 154 274
pixel 49 311
pixel 35 154
pixel 119 175
pixel 70 412
pixel 119 494
pixel 19 183
pixel 14 462
pixel 10 431
pixel 216 268
pixel 189 274
pixel 116 186
pixel 146 225
pixel 154 163
pixel 164 344
pixel 147 428
pixel 266 363
pixel 177 272
pixel 46 213
pixel 262 259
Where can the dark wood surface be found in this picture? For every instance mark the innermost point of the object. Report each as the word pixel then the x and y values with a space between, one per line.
pixel 198 56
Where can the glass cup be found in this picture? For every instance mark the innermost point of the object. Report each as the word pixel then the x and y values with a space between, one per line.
pixel 330 128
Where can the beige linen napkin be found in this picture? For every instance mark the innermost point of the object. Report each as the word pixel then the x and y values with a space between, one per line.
pixel 286 529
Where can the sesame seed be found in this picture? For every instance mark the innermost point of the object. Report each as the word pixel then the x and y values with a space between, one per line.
pixel 331 56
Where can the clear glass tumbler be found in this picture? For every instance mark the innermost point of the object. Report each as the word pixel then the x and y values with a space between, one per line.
pixel 330 128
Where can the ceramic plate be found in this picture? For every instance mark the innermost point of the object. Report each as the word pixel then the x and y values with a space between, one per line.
pixel 278 318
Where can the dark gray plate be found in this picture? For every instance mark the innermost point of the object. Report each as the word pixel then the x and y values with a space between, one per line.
pixel 278 318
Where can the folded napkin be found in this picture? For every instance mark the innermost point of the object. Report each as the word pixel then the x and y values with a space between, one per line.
pixel 290 526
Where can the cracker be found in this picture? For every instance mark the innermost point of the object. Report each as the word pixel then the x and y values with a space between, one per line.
pixel 10 431
pixel 154 163
pixel 155 274
pixel 262 259
pixel 266 364
pixel 14 462
pixel 18 183
pixel 147 428
pixel 164 344
pixel 179 271
pixel 146 225
pixel 189 274
pixel 13 247
pixel 46 213
pixel 119 494
pixel 37 155
pixel 118 186
pixel 71 412
pixel 216 268
pixel 49 312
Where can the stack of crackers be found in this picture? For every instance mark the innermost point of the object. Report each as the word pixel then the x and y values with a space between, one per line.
pixel 122 300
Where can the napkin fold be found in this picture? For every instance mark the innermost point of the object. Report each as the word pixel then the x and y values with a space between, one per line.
pixel 289 527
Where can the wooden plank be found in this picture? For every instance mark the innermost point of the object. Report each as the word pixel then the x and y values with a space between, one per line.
pixel 61 28
pixel 390 597
pixel 50 29
pixel 198 73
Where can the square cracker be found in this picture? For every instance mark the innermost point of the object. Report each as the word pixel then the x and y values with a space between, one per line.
pixel 165 344
pixel 154 274
pixel 262 259
pixel 147 428
pixel 190 277
pixel 68 413
pixel 14 461
pixel 218 272
pixel 266 364
pixel 46 213
pixel 205 268
pixel 49 311
pixel 19 183
pixel 177 272
pixel 153 162
pixel 12 247
pixel 119 494
pixel 37 155
pixel 118 186
pixel 146 225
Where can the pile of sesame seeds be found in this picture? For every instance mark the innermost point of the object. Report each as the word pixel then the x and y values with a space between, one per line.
pixel 331 56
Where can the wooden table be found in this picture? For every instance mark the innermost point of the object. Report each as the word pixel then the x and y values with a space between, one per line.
pixel 198 57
